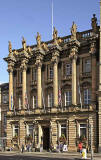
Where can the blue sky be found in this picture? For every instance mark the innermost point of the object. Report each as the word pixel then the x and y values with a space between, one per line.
pixel 27 17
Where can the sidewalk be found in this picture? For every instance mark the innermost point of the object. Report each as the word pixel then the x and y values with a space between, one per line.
pixel 97 156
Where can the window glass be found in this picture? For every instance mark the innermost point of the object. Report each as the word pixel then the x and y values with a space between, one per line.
pixel 51 72
pixel 68 98
pixel 63 129
pixel 87 96
pixel 83 128
pixel 50 100
pixel 68 69
pixel 87 66
pixel 5 98
pixel 34 101
pixel 15 130
pixel 34 74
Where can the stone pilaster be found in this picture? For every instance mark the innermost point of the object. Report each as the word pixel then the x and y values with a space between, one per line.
pixel 99 99
pixel 55 78
pixel 10 70
pixel 73 56
pixel 22 132
pixel 39 135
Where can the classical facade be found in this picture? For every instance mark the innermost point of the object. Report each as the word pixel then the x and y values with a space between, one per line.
pixel 4 107
pixel 54 91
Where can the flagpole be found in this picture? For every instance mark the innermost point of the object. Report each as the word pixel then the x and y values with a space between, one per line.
pixel 52 19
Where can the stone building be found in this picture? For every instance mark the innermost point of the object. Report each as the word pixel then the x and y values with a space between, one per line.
pixel 54 91
pixel 4 106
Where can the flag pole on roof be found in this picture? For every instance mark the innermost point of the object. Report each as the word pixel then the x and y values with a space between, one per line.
pixel 52 19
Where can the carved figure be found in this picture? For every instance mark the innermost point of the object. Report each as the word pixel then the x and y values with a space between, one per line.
pixel 24 43
pixel 94 23
pixel 38 39
pixel 10 47
pixel 55 33
pixel 73 31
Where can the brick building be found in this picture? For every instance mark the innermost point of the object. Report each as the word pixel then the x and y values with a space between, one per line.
pixel 53 91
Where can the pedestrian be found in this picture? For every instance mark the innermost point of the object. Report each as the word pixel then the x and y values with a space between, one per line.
pixel 80 147
pixel 22 148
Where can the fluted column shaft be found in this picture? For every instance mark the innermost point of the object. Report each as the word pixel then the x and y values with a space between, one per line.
pixel 10 89
pixel 39 89
pixel 55 84
pixel 24 94
pixel 74 81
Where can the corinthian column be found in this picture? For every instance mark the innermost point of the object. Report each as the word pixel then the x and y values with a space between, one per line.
pixel 24 94
pixel 55 84
pixel 73 56
pixel 55 77
pixel 10 88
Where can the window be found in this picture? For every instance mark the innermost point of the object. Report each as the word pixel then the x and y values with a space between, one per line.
pixel 51 72
pixel 82 131
pixel 15 130
pixel 68 98
pixel 19 102
pixel 20 77
pixel 5 98
pixel 63 129
pixel 87 67
pixel 30 129
pixel 50 100
pixel 5 121
pixel 68 69
pixel 87 96
pixel 34 74
pixel 34 101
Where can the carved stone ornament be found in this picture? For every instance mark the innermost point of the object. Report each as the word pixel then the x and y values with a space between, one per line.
pixel 73 53
pixel 55 36
pixel 73 31
pixel 92 48
pixel 23 64
pixel 45 47
pixel 39 60
pixel 10 67
pixel 24 43
pixel 9 47
pixel 38 40
pixel 94 23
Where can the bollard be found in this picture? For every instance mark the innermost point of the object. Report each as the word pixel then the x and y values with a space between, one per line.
pixel 84 153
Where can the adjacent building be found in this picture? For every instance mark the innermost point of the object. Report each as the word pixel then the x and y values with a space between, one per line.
pixel 4 107
pixel 54 93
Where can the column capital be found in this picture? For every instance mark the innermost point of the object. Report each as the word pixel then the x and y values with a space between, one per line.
pixel 55 57
pixel 24 64
pixel 10 67
pixel 92 49
pixel 73 53
pixel 38 62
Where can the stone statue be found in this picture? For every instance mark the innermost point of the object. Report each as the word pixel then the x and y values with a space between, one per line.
pixel 55 33
pixel 94 23
pixel 24 43
pixel 38 39
pixel 10 47
pixel 73 31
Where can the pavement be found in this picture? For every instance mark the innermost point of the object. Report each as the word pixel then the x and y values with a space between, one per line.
pixel 64 155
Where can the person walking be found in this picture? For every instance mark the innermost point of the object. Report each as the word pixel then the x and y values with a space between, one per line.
pixel 22 148
pixel 80 147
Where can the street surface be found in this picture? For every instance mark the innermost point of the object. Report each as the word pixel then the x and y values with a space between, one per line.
pixel 42 156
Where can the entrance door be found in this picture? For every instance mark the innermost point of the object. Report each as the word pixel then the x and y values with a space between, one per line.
pixel 46 138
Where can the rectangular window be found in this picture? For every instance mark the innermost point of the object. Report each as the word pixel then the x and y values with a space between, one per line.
pixel 20 77
pixel 68 98
pixel 34 102
pixel 87 66
pixel 83 128
pixel 87 96
pixel 34 74
pixel 51 72
pixel 15 130
pixel 5 121
pixel 50 100
pixel 5 98
pixel 19 102
pixel 63 129
pixel 30 129
pixel 68 69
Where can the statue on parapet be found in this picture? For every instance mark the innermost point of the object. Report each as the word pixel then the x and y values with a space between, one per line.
pixel 55 34
pixel 38 39
pixel 73 31
pixel 24 43
pixel 94 23
pixel 10 47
